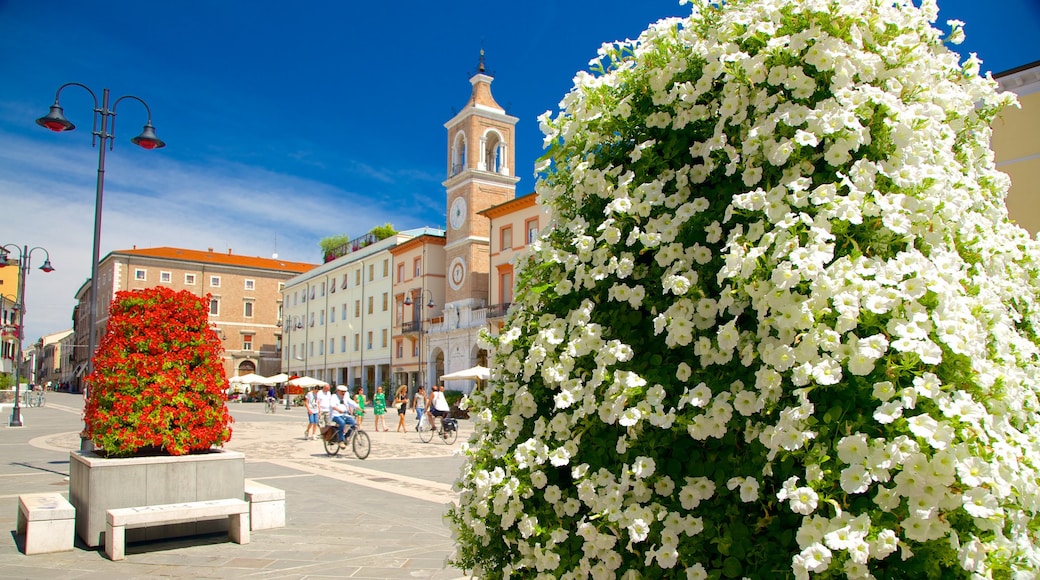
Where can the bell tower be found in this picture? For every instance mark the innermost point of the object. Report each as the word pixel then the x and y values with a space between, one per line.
pixel 481 145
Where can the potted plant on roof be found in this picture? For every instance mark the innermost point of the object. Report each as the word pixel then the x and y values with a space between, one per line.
pixel 155 413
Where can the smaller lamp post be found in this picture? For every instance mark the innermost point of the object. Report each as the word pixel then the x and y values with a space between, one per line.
pixel 23 263
pixel 423 293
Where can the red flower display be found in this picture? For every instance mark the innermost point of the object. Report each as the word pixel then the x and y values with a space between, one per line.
pixel 158 382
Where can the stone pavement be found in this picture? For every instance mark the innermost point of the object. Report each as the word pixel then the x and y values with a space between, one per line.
pixel 345 518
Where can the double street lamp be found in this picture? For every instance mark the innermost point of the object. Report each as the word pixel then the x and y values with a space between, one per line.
pixel 105 116
pixel 290 323
pixel 423 293
pixel 23 263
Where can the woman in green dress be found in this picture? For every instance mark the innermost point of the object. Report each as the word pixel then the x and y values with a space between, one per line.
pixel 379 408
pixel 359 397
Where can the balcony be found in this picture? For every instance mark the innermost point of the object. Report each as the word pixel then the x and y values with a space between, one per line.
pixel 411 327
pixel 498 310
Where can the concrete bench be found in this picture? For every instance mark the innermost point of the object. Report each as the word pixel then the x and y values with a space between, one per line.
pixel 266 506
pixel 118 520
pixel 48 522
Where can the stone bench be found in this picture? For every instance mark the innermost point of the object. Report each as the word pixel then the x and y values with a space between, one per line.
pixel 266 506
pixel 118 520
pixel 48 522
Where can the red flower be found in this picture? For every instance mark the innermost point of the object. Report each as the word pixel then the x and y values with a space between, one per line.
pixel 158 379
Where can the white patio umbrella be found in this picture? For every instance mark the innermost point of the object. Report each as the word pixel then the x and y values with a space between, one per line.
pixel 306 382
pixel 477 373
pixel 250 379
pixel 279 378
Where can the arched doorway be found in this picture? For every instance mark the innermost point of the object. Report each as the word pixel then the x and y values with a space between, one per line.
pixel 245 367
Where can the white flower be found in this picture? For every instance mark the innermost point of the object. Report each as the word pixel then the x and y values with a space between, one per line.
pixel 803 500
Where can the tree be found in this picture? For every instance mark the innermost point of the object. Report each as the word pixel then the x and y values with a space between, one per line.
pixel 384 231
pixel 782 326
pixel 158 382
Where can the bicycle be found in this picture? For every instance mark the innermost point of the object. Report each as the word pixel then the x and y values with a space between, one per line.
pixel 448 431
pixel 41 400
pixel 270 406
pixel 27 399
pixel 358 441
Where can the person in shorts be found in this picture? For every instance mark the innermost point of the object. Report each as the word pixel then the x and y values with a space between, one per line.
pixel 311 402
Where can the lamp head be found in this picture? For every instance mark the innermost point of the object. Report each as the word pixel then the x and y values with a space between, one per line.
pixel 55 120
pixel 46 267
pixel 431 304
pixel 147 138
pixel 408 300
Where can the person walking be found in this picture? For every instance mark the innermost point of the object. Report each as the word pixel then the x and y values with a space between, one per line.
pixel 401 404
pixel 324 398
pixel 379 408
pixel 359 398
pixel 419 404
pixel 313 409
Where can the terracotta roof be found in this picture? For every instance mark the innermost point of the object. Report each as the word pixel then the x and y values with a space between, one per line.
pixel 211 257
pixel 508 207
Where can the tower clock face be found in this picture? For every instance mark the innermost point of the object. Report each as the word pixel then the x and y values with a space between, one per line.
pixel 457 273
pixel 458 212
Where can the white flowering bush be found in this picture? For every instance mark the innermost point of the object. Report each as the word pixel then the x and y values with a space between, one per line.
pixel 781 326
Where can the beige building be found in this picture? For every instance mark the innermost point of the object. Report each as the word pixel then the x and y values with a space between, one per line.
pixel 514 225
pixel 1017 147
pixel 244 301
pixel 54 359
pixel 418 302
pixel 338 318
pixel 8 318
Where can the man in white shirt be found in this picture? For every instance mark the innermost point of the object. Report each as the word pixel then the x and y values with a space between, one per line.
pixel 324 405
pixel 343 407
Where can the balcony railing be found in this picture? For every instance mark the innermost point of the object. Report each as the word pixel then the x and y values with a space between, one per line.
pixel 412 326
pixel 498 310
pixel 352 246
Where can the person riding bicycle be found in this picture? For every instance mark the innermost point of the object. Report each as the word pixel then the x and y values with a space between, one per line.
pixel 343 407
pixel 439 405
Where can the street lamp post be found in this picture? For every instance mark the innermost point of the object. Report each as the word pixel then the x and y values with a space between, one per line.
pixel 423 293
pixel 289 324
pixel 24 256
pixel 104 115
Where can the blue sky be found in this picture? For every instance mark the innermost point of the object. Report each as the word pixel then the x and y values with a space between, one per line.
pixel 289 122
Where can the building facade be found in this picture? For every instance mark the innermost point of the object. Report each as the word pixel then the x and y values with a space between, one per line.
pixel 244 298
pixel 418 302
pixel 514 225
pixel 1016 147
pixel 337 320
pixel 9 321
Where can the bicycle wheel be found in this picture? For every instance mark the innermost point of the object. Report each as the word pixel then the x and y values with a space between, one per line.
pixel 331 444
pixel 450 436
pixel 426 433
pixel 361 443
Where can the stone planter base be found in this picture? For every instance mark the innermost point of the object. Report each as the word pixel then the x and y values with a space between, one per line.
pixel 97 484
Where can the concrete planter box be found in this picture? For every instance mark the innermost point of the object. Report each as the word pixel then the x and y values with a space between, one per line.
pixel 98 484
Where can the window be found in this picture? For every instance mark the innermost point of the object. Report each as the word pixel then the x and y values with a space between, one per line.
pixel 310 349
pixel 214 307
pixel 357 277
pixel 383 343
pixel 532 230
pixel 313 290
pixel 311 321
pixel 371 304
pixel 343 312
pixel 371 272
pixel 321 346
pixel 332 287
pixel 214 281
pixel 165 277
pixel 247 342
pixel 415 348
pixel 507 238
pixel 294 351
pixel 386 301
pixel 369 342
pixel 343 343
pixel 386 267
pixel 505 288
pixel 250 284
pixel 417 264
pixel 321 318
pixel 248 312
pixel 322 289
pixel 357 342
pixel 344 285
pixel 332 315
pixel 357 309
pixel 400 349
pixel 189 279
pixel 281 287
pixel 332 346
pixel 400 272
pixel 140 274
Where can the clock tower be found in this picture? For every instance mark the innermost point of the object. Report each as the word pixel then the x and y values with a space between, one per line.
pixel 481 143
